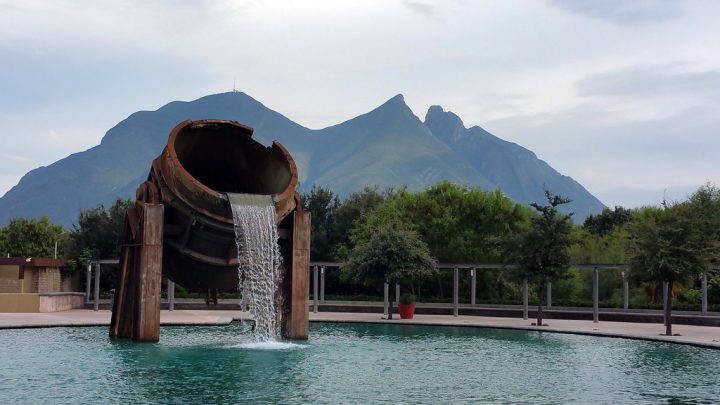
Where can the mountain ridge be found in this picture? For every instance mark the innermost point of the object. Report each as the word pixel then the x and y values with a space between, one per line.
pixel 388 146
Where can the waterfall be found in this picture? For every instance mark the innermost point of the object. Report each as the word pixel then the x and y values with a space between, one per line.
pixel 259 258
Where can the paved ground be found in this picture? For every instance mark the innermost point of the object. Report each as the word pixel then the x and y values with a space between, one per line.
pixel 696 335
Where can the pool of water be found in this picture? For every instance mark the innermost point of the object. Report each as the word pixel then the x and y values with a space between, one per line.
pixel 346 363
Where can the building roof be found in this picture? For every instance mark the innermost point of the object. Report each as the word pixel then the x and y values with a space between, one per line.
pixel 32 261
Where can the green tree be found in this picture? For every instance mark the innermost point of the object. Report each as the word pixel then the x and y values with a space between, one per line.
pixel 392 254
pixel 458 223
pixel 352 209
pixel 665 245
pixel 32 238
pixel 322 203
pixel 704 209
pixel 541 253
pixel 606 221
pixel 97 235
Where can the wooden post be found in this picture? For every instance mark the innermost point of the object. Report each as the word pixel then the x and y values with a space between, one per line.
pixel 456 293
pixel 88 282
pixel 136 305
pixel 171 294
pixel 146 319
pixel 626 292
pixel 703 290
pixel 123 301
pixel 549 294
pixel 322 284
pixel 96 293
pixel 386 298
pixel 472 285
pixel 665 288
pixel 525 299
pixel 315 289
pixel 595 289
pixel 297 321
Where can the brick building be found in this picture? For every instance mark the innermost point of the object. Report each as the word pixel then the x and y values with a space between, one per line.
pixel 36 285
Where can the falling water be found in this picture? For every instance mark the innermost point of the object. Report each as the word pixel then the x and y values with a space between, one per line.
pixel 259 259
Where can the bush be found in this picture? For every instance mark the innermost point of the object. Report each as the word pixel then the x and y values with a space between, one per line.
pixel 407 299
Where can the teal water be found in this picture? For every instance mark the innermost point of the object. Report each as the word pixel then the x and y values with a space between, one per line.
pixel 344 363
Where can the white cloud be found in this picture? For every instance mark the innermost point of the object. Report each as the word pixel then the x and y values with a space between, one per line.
pixel 623 11
pixel 555 77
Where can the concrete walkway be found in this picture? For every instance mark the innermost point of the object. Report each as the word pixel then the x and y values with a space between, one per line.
pixel 706 336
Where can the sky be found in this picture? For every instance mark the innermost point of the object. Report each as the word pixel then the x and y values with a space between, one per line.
pixel 621 95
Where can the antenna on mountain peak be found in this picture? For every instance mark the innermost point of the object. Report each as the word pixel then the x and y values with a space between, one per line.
pixel 234 91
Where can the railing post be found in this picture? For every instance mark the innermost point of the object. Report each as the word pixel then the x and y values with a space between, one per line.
pixel 315 289
pixel 456 283
pixel 703 288
pixel 88 282
pixel 626 292
pixel 96 297
pixel 665 295
pixel 549 294
pixel 386 299
pixel 525 299
pixel 595 282
pixel 397 294
pixel 322 284
pixel 472 286
pixel 171 294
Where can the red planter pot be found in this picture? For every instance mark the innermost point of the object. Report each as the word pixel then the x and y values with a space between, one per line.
pixel 407 311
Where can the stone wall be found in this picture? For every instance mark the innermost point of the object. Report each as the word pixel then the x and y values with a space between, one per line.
pixel 10 285
pixel 48 279
pixel 55 302
pixel 9 279
pixel 70 283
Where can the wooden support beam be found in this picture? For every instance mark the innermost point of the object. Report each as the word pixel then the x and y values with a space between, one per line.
pixel 297 320
pixel 146 319
pixel 121 320
pixel 136 306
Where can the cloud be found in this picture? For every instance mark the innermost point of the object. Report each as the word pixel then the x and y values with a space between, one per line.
pixel 651 80
pixel 421 8
pixel 623 11
pixel 610 156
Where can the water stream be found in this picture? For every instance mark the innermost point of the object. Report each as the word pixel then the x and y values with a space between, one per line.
pixel 259 259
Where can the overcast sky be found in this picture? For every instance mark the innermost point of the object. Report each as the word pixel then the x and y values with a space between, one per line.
pixel 621 95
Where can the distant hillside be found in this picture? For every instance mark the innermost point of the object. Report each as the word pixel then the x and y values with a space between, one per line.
pixel 388 146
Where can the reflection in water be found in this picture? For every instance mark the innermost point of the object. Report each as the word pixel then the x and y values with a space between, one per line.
pixel 344 363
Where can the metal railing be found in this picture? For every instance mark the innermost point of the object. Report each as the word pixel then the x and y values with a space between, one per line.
pixel 318 270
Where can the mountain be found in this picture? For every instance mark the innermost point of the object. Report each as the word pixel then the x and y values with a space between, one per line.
pixel 515 170
pixel 388 146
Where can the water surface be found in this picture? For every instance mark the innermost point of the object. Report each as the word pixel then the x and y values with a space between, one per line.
pixel 345 363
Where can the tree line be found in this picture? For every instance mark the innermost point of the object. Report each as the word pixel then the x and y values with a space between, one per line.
pixel 455 223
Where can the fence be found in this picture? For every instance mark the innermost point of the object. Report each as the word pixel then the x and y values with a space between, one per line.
pixel 318 270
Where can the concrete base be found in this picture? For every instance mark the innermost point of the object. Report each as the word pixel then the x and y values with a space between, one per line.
pixel 56 302
pixel 45 302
